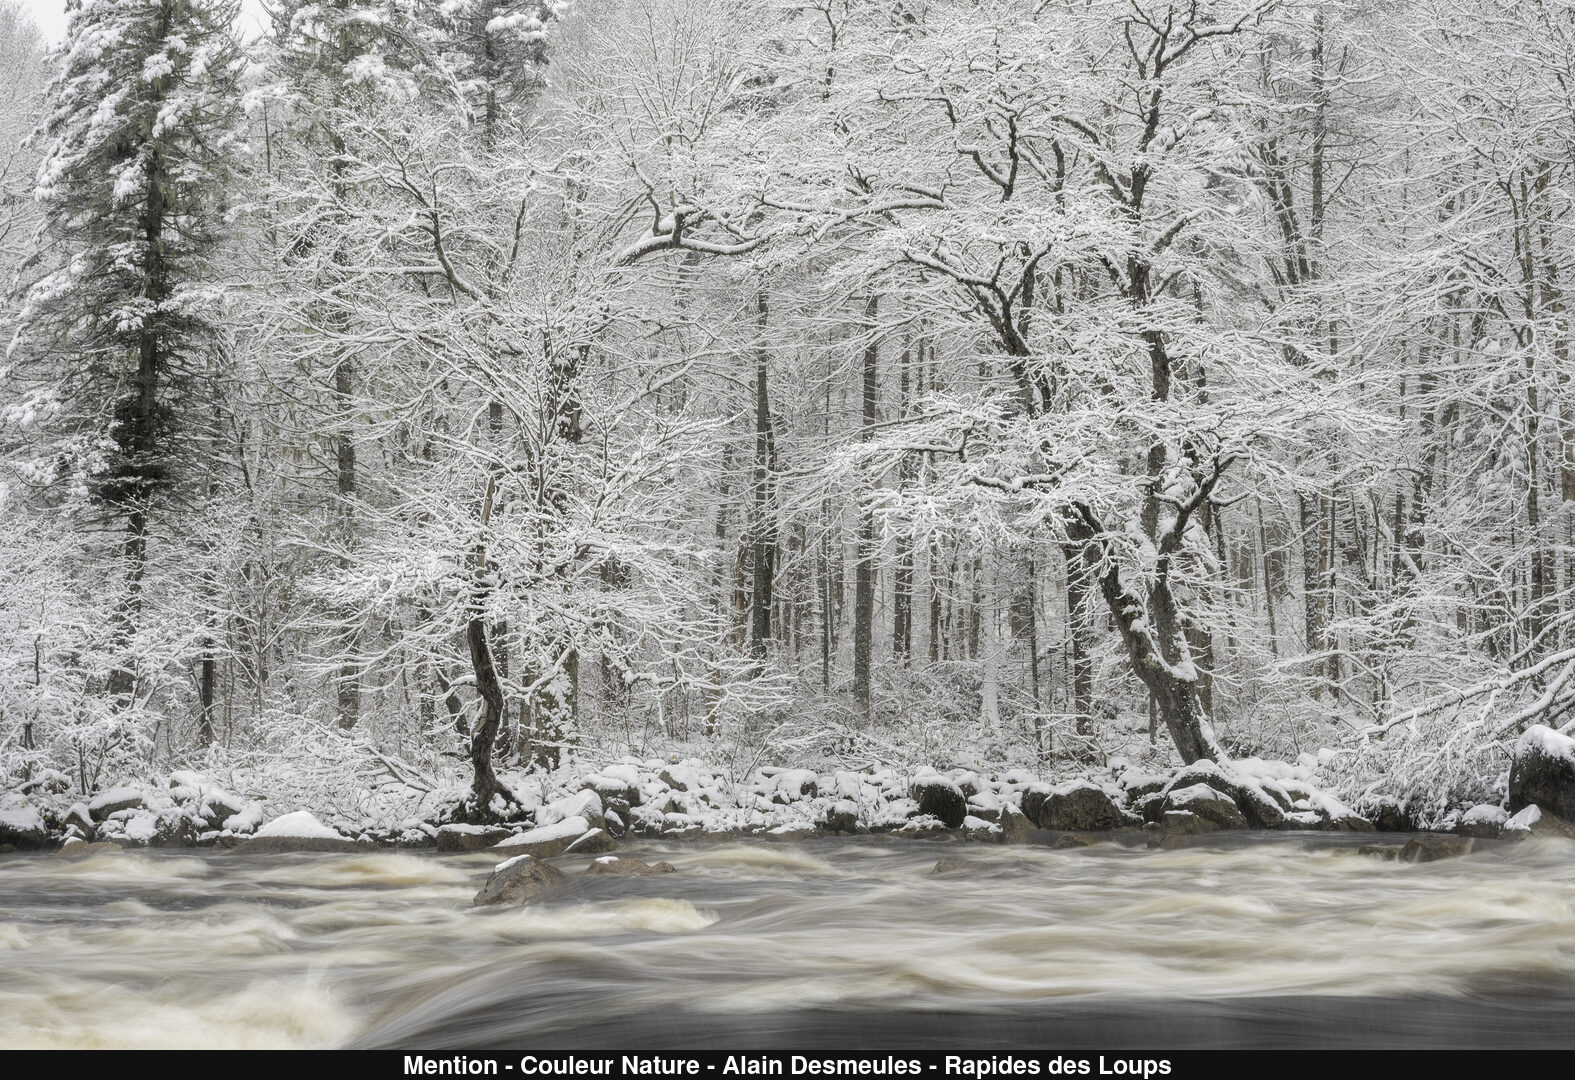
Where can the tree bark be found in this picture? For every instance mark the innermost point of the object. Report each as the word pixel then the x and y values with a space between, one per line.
pixel 864 561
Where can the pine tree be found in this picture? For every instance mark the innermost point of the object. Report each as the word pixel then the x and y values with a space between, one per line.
pixel 121 332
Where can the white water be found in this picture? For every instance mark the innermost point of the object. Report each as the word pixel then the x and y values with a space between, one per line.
pixel 150 950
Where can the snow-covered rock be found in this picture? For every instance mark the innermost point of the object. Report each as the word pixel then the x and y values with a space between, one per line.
pixel 586 803
pixel 1533 822
pixel 1247 790
pixel 246 822
pixel 939 798
pixel 594 842
pixel 546 841
pixel 296 832
pixel 1213 806
pixel 841 817
pixel 1484 821
pixel 1543 773
pixel 300 824
pixel 108 802
pixel 22 827
pixel 1080 806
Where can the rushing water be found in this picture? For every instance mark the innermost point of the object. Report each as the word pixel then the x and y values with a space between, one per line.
pixel 833 944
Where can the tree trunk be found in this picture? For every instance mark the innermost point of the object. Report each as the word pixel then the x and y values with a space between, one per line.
pixel 864 563
pixel 762 543
pixel 483 736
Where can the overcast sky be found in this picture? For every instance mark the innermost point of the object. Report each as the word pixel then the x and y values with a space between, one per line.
pixel 50 15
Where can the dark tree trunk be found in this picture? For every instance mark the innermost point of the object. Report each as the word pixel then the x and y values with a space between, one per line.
pixel 1155 654
pixel 762 541
pixel 205 687
pixel 348 690
pixel 483 736
pixel 864 565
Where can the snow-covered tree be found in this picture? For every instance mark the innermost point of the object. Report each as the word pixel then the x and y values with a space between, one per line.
pixel 120 337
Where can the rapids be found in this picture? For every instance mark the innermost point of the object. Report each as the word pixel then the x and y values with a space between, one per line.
pixel 845 944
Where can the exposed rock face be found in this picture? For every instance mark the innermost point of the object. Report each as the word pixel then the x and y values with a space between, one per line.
pixel 1543 773
pixel 518 881
pixel 626 867
pixel 470 837
pixel 940 799
pixel 594 842
pixel 1203 801
pixel 1079 806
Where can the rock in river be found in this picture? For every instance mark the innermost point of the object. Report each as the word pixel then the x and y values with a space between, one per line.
pixel 518 881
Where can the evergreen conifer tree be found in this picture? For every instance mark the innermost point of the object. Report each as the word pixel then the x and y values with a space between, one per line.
pixel 119 336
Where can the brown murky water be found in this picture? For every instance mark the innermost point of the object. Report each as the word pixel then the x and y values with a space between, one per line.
pixel 847 944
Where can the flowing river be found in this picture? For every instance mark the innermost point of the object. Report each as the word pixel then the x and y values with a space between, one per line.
pixel 834 944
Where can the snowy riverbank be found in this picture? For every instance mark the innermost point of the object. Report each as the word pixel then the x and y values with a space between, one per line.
pixel 592 808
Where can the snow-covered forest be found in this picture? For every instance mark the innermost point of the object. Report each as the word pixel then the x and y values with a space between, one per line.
pixel 438 393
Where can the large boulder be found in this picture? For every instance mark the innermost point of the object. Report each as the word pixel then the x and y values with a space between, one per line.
pixel 1483 822
pixel 114 800
pixel 546 842
pixel 941 799
pixel 1543 773
pixel 1203 801
pixel 1079 806
pixel 1257 806
pixel 23 829
pixel 841 817
pixel 594 842
pixel 618 784
pixel 1182 823
pixel 1015 826
pixel 518 881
